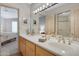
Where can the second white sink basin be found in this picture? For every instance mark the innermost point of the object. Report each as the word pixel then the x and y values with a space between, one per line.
pixel 59 45
pixel 62 48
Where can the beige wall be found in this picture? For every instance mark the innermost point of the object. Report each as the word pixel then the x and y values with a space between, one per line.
pixel 50 24
pixel 75 22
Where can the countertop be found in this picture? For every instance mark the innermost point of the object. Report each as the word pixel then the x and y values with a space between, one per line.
pixel 57 48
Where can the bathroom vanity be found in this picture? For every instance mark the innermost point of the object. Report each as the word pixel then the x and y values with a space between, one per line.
pixel 30 46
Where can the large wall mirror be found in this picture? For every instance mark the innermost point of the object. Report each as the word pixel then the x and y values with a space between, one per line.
pixel 58 21
pixel 59 24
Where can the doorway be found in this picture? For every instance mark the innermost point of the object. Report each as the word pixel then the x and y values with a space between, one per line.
pixel 8 31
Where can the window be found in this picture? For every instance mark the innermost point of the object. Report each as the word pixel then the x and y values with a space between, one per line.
pixel 14 26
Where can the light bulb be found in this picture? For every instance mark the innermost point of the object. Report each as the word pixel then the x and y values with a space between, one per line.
pixel 33 12
pixel 44 6
pixel 47 4
pixel 40 8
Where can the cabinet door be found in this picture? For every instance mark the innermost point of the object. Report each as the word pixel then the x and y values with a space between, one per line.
pixel 42 52
pixel 30 49
pixel 22 46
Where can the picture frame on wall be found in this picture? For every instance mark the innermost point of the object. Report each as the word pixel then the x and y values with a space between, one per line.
pixel 34 21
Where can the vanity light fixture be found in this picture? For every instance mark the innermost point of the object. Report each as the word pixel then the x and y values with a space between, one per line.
pixel 44 7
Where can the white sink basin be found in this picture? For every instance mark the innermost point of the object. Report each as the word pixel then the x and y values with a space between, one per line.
pixel 64 49
pixel 59 45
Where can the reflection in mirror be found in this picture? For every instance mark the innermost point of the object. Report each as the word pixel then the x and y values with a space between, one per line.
pixel 63 24
pixel 47 24
pixel 42 24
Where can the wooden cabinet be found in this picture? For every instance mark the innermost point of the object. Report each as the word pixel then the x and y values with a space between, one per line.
pixel 42 52
pixel 27 48
pixel 30 49
pixel 22 46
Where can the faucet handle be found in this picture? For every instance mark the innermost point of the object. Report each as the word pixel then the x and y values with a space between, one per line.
pixel 59 37
pixel 63 40
pixel 69 41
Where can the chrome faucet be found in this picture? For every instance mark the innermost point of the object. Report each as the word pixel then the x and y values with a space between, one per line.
pixel 70 39
pixel 69 42
pixel 61 38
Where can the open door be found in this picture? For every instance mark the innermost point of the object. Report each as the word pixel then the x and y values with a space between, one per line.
pixel 8 31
